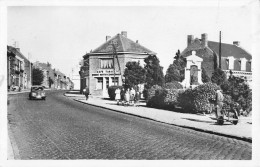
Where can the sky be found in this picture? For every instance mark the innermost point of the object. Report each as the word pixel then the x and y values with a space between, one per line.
pixel 61 35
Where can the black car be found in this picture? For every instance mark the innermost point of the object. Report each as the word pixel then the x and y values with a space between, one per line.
pixel 37 92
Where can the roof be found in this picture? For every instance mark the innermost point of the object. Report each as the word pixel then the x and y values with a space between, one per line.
pixel 16 52
pixel 123 45
pixel 229 50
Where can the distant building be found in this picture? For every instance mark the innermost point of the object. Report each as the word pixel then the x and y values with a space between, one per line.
pixel 47 73
pixel 233 56
pixel 53 78
pixel 75 77
pixel 19 69
pixel 102 62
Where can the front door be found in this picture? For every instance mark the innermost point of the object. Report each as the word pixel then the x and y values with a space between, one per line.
pixel 105 91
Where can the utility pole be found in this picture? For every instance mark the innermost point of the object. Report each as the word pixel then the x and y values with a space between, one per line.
pixel 220 49
pixel 116 56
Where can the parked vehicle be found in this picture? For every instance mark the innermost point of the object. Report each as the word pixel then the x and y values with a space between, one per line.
pixel 37 92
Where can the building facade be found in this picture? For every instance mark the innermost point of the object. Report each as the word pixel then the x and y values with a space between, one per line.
pixel 75 77
pixel 53 78
pixel 233 56
pixel 19 69
pixel 105 65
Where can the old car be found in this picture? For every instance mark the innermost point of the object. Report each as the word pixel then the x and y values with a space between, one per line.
pixel 37 92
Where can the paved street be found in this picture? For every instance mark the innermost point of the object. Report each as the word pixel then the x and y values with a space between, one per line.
pixel 61 128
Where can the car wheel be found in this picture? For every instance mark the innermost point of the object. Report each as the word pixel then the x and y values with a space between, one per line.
pixel 44 98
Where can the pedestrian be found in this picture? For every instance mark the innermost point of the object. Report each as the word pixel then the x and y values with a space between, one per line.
pixel 132 95
pixel 86 92
pixel 137 98
pixel 117 97
pixel 122 94
pixel 127 96
pixel 219 105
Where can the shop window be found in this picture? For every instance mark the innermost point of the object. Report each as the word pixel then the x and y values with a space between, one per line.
pixel 115 81
pixel 99 84
pixel 106 63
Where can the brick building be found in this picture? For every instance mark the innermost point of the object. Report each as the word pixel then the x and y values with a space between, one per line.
pixel 19 69
pixel 98 65
pixel 233 56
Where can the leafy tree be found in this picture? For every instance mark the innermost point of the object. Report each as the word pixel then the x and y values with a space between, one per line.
pixel 175 71
pixel 205 78
pixel 37 76
pixel 219 76
pixel 154 72
pixel 239 91
pixel 134 74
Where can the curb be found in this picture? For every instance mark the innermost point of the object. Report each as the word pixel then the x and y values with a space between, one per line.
pixel 13 147
pixel 246 139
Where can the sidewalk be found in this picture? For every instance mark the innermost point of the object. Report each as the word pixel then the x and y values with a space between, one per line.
pixel 242 131
pixel 17 92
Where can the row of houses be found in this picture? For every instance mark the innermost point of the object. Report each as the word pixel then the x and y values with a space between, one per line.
pixel 20 73
pixel 19 69
pixel 53 78
pixel 101 69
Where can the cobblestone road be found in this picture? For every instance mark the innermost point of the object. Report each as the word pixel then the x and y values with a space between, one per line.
pixel 60 128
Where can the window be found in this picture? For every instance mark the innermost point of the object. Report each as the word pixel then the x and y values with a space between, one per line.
pixel 99 83
pixel 106 63
pixel 115 80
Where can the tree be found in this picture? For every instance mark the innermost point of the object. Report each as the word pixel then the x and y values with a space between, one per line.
pixel 175 71
pixel 134 74
pixel 239 91
pixel 219 76
pixel 154 72
pixel 205 78
pixel 37 76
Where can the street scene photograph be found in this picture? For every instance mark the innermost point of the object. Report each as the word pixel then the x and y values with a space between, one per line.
pixel 130 82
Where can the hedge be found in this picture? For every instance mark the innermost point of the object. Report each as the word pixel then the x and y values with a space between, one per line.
pixel 159 97
pixel 111 91
pixel 173 85
pixel 150 95
pixel 199 99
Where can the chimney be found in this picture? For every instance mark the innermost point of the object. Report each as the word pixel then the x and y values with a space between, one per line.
pixel 124 33
pixel 204 39
pixel 237 43
pixel 107 38
pixel 136 41
pixel 190 39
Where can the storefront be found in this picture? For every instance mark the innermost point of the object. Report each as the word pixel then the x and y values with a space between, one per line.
pixel 106 64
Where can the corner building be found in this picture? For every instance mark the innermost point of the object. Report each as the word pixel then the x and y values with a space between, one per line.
pixel 102 62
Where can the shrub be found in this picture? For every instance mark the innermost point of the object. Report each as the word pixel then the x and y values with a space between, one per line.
pixel 172 97
pixel 150 93
pixel 239 91
pixel 111 91
pixel 199 99
pixel 159 97
pixel 173 85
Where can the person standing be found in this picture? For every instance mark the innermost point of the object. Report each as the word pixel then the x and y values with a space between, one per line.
pixel 137 98
pixel 117 97
pixel 122 96
pixel 86 92
pixel 219 105
pixel 132 95
pixel 127 96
